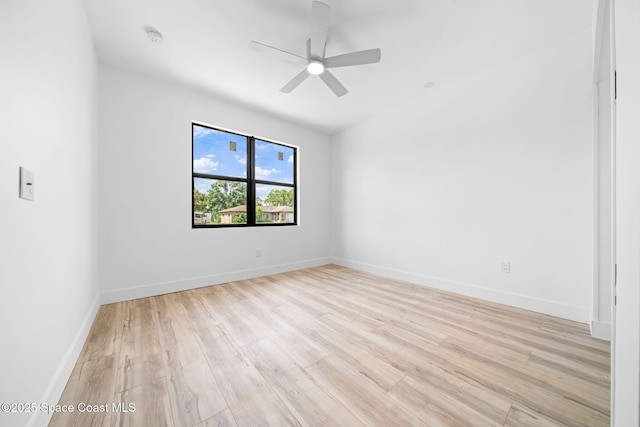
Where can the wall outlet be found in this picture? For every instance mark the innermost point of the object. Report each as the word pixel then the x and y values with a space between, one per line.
pixel 258 253
pixel 505 267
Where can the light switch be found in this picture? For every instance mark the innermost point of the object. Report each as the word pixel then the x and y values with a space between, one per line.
pixel 26 184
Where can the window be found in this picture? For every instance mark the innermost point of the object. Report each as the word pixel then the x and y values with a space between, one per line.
pixel 239 180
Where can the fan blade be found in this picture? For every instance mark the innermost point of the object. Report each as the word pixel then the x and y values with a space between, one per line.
pixel 283 54
pixel 295 82
pixel 320 14
pixel 333 83
pixel 362 57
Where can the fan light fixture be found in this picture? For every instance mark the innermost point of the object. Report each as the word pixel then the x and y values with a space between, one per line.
pixel 315 68
pixel 314 61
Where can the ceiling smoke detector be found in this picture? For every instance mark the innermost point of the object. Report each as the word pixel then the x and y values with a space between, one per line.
pixel 154 36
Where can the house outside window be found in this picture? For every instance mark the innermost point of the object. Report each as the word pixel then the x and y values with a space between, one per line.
pixel 232 170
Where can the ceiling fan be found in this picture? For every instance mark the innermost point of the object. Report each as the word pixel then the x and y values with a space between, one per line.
pixel 315 61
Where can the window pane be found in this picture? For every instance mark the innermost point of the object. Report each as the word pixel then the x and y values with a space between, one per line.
pixel 274 204
pixel 219 202
pixel 219 153
pixel 274 162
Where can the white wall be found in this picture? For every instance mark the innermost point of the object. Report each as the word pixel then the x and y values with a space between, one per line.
pixel 496 168
pixel 627 330
pixel 48 258
pixel 147 245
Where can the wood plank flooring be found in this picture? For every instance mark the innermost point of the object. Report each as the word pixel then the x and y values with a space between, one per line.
pixel 331 346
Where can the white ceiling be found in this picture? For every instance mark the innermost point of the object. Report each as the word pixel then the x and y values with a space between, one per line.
pixel 206 47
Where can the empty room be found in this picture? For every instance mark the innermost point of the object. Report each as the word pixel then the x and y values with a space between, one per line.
pixel 347 213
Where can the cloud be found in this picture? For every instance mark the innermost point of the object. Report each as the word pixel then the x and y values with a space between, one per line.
pixel 290 159
pixel 265 173
pixel 241 159
pixel 263 191
pixel 199 131
pixel 204 165
pixel 203 186
pixel 211 156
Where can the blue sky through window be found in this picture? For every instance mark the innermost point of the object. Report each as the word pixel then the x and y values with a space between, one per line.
pixel 213 154
pixel 274 162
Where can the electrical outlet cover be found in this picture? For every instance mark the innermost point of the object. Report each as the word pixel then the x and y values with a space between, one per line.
pixel 27 184
pixel 505 267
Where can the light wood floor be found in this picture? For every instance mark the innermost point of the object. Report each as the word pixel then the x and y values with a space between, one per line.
pixel 333 346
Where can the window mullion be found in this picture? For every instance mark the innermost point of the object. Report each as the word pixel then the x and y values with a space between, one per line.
pixel 251 182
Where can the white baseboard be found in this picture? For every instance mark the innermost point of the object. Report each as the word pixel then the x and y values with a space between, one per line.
pixel 154 289
pixel 601 330
pixel 59 381
pixel 538 305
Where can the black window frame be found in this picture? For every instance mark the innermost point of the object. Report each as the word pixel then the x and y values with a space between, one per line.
pixel 250 181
